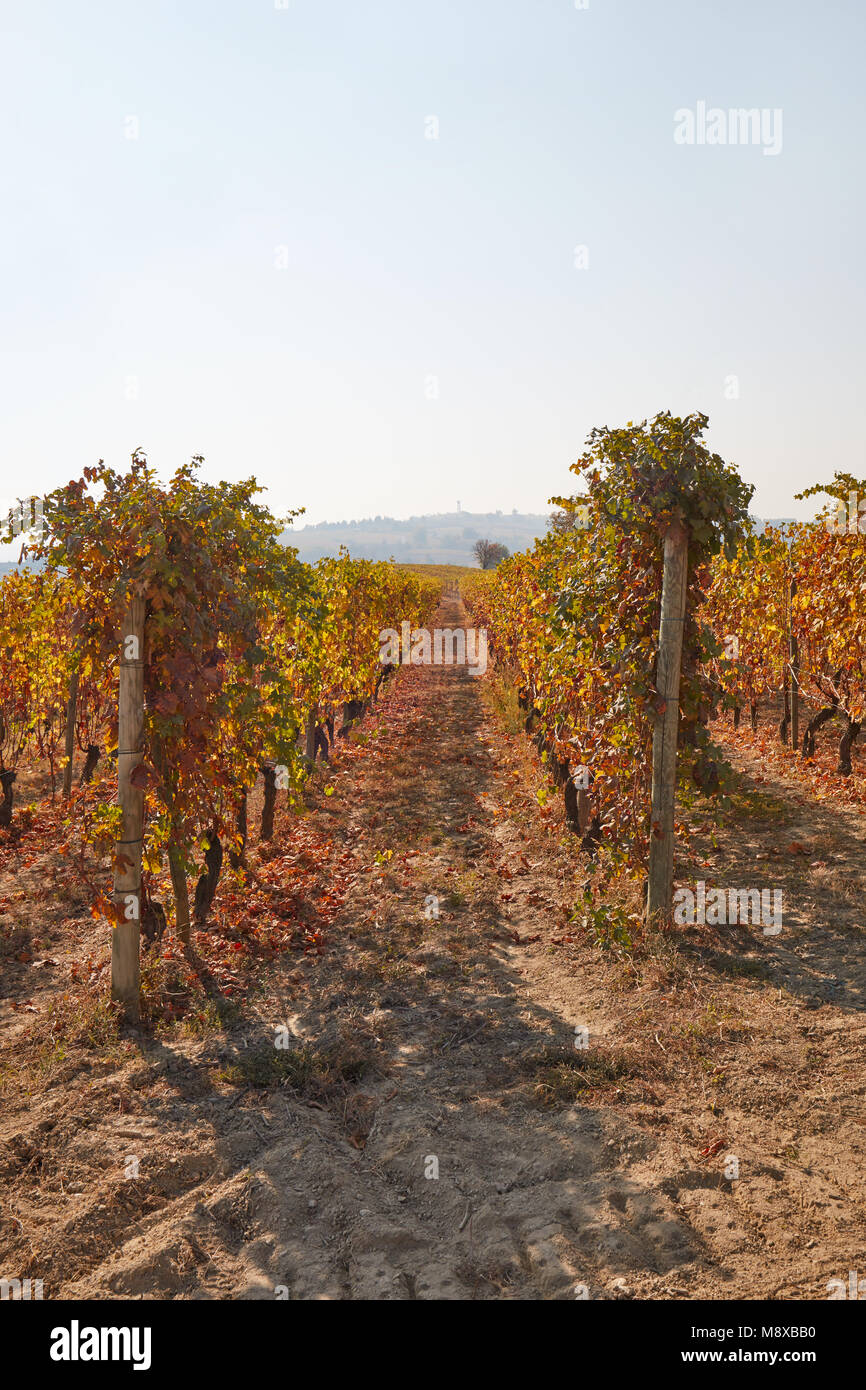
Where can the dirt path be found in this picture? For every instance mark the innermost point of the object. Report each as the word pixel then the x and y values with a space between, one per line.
pixel 431 1130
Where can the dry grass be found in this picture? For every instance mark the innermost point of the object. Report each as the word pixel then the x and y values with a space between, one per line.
pixel 501 691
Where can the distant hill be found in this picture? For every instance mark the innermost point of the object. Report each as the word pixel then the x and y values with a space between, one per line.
pixel 7 565
pixel 777 522
pixel 446 538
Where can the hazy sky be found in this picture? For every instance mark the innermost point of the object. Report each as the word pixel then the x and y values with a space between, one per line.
pixel 284 273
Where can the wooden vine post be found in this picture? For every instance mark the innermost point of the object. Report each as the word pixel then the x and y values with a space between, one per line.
pixel 664 776
pixel 125 971
pixel 310 736
pixel 794 658
pixel 69 744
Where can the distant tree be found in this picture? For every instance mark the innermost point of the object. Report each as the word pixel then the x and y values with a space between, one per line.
pixel 571 515
pixel 489 554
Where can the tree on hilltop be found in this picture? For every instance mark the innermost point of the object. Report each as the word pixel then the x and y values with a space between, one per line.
pixel 489 554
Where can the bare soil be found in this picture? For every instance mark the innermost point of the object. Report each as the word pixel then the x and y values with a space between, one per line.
pixel 430 1130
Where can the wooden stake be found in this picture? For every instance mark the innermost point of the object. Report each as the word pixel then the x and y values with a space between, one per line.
pixel 181 896
pixel 127 873
pixel 310 736
pixel 71 707
pixel 794 654
pixel 673 612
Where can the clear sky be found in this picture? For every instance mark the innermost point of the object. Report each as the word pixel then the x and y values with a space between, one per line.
pixel 284 273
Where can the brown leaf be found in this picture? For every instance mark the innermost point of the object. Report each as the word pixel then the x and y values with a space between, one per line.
pixel 143 776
